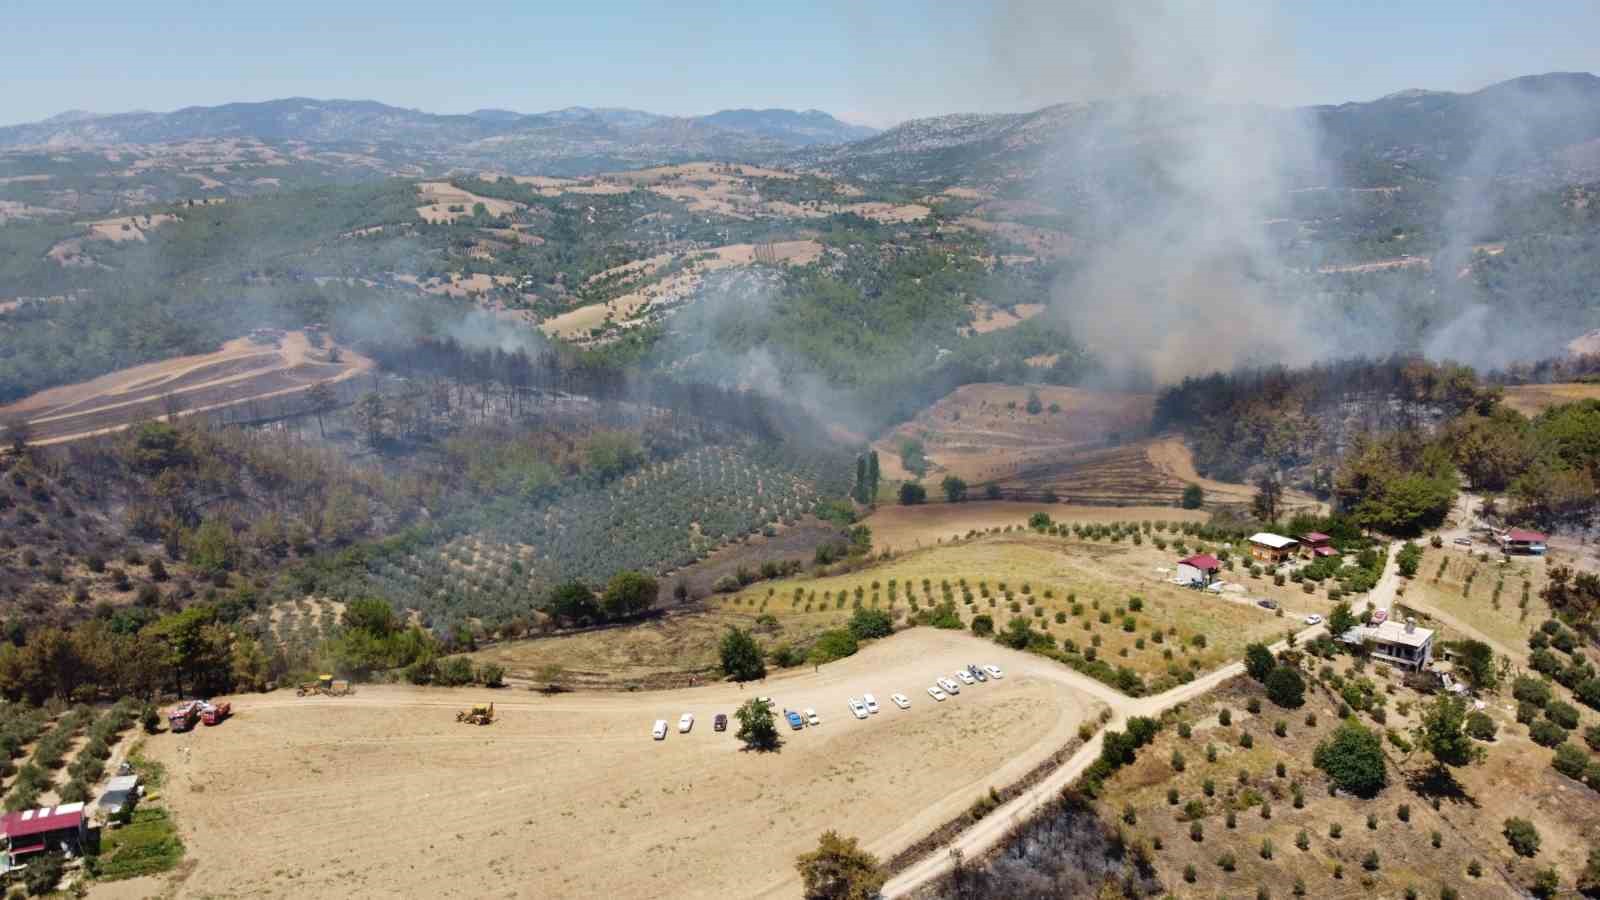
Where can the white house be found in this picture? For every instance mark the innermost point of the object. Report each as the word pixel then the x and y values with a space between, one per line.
pixel 1404 645
pixel 1198 570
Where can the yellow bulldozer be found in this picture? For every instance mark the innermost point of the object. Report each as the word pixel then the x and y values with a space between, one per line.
pixel 478 715
pixel 327 684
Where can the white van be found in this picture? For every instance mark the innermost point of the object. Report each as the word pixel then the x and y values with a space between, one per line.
pixel 660 731
pixel 685 722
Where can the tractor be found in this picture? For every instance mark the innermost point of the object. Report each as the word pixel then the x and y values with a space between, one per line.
pixel 478 715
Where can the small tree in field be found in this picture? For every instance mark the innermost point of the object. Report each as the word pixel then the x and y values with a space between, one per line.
pixel 955 490
pixel 1194 496
pixel 1522 836
pixel 757 728
pixel 741 656
pixel 1286 688
pixel 1353 759
pixel 839 870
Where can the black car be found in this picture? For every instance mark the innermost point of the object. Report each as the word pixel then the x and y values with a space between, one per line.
pixel 720 723
pixel 977 673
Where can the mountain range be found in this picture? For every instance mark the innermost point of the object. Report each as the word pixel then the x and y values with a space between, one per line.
pixel 1540 125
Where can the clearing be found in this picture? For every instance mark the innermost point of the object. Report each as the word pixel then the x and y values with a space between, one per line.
pixel 1532 399
pixel 242 371
pixel 908 527
pixel 560 788
pixel 984 432
pixel 444 202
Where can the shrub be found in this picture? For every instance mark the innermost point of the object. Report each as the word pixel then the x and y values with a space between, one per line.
pixel 1480 726
pixel 1353 759
pixel 1286 688
pixel 1528 689
pixel 1546 733
pixel 1563 714
pixel 1226 862
pixel 1522 836
pixel 1404 812
pixel 1570 761
pixel 1370 861
pixel 492 675
pixel 1197 832
pixel 1475 869
pixel 1245 740
pixel 1189 874
pixel 1225 717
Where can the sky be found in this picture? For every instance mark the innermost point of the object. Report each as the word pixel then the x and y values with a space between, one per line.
pixel 876 62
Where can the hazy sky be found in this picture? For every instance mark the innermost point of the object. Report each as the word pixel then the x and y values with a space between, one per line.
pixel 878 61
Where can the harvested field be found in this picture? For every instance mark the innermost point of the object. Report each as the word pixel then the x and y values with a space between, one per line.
pixel 1499 600
pixel 1173 458
pixel 550 798
pixel 240 372
pixel 984 432
pixel 1532 399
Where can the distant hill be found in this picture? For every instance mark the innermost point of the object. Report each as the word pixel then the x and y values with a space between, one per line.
pixel 567 141
pixel 1539 124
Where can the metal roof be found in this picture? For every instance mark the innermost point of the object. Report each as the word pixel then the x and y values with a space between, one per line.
pixel 1522 536
pixel 40 821
pixel 1205 562
pixel 1275 541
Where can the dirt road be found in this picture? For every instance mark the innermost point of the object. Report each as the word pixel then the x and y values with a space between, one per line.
pixel 382 794
pixel 982 837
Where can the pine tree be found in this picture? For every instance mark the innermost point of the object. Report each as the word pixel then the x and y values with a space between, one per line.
pixel 872 477
pixel 861 480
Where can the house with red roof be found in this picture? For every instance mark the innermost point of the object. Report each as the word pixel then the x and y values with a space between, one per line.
pixel 1519 540
pixel 1198 570
pixel 1316 543
pixel 31 831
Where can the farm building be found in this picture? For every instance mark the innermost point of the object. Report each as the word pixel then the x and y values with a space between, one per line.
pixel 39 830
pixel 1198 570
pixel 1318 544
pixel 1404 645
pixel 1518 540
pixel 120 794
pixel 1271 548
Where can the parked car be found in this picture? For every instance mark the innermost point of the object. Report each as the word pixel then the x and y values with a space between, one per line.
pixel 870 702
pixel 1379 616
pixel 766 700
pixel 795 722
pixel 966 677
pixel 1313 619
pixel 857 708
pixel 994 671
pixel 977 673
pixel 1267 604
pixel 1465 542
pixel 901 700
pixel 685 722
pixel 933 692
pixel 659 732
pixel 720 723
pixel 949 685
pixel 812 718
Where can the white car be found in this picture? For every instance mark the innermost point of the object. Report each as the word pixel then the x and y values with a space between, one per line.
pixel 659 732
pixel 933 692
pixel 966 678
pixel 950 687
pixel 812 718
pixel 901 700
pixel 766 700
pixel 857 708
pixel 871 703
pixel 685 722
pixel 1313 619
pixel 994 671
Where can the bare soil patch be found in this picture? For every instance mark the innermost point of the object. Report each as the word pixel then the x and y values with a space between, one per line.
pixel 240 372
pixel 908 527
pixel 561 788
pixel 1532 399
pixel 444 202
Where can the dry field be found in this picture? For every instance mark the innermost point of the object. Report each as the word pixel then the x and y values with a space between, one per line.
pixel 984 432
pixel 988 318
pixel 1515 779
pixel 242 371
pixel 1492 605
pixel 909 527
pixel 671 288
pixel 382 794
pixel 439 196
pixel 1532 399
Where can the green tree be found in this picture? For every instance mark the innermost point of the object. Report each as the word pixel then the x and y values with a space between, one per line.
pixel 1353 759
pixel 629 594
pixel 1286 688
pixel 1442 733
pixel 1341 620
pixel 757 728
pixel 867 623
pixel 983 625
pixel 1194 496
pixel 831 645
pixel 572 602
pixel 1476 661
pixel 1035 405
pixel 955 490
pixel 1522 836
pixel 912 494
pixel 1409 559
pixel 872 477
pixel 1259 661
pixel 839 870
pixel 741 656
